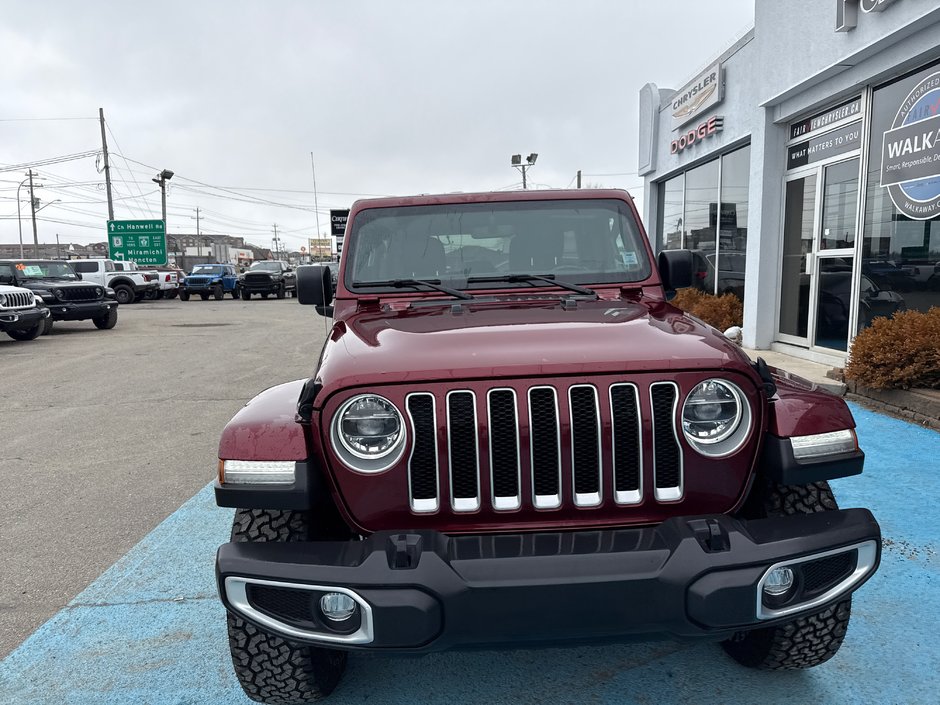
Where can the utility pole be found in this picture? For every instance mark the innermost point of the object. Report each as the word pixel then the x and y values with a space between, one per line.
pixel 579 178
pixel 276 249
pixel 316 207
pixel 107 166
pixel 32 207
pixel 197 221
pixel 57 254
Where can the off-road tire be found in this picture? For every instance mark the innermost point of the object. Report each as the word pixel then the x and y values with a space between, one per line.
pixel 108 321
pixel 47 326
pixel 218 292
pixel 204 297
pixel 28 333
pixel 184 296
pixel 264 294
pixel 171 294
pixel 270 668
pixel 123 294
pixel 280 292
pixel 235 293
pixel 806 641
pixel 246 295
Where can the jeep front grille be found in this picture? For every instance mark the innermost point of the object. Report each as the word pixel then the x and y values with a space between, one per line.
pixel 537 446
pixel 19 299
pixel 78 293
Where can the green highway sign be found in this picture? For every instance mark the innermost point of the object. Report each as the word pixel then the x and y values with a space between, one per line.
pixel 140 241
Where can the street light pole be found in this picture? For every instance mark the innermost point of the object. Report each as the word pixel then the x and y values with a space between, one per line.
pixel 32 205
pixel 516 162
pixel 161 180
pixel 19 218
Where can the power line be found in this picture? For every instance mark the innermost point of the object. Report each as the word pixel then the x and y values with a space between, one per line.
pixel 50 160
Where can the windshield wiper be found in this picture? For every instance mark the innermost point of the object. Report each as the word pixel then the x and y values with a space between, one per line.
pixel 415 283
pixel 545 278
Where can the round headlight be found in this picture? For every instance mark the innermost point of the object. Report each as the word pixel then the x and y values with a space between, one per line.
pixel 369 427
pixel 98 291
pixel 712 412
pixel 3 299
pixel 57 293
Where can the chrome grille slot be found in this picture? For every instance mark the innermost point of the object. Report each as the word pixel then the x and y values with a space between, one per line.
pixel 423 485
pixel 627 443
pixel 667 454
pixel 586 467
pixel 504 448
pixel 19 299
pixel 463 451
pixel 545 447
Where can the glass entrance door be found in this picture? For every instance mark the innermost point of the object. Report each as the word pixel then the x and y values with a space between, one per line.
pixel 819 230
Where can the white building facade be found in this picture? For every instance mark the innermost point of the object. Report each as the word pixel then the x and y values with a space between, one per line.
pixel 802 167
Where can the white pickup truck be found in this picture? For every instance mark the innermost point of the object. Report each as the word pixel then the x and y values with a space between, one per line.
pixel 167 279
pixel 129 284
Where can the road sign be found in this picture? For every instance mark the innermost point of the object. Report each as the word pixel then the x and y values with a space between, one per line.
pixel 140 241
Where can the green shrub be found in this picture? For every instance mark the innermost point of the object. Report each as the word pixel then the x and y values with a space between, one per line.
pixel 722 312
pixel 899 352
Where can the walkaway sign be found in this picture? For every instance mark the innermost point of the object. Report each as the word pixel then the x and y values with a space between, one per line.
pixel 910 152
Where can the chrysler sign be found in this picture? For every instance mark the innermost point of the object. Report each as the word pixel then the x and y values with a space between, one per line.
pixel 698 95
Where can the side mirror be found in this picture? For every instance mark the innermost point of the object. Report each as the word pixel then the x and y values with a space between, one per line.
pixel 78 275
pixel 675 269
pixel 314 286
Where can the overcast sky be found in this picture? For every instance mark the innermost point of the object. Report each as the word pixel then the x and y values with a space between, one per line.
pixel 391 97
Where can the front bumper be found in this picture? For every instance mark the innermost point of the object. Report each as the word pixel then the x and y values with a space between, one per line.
pixel 269 286
pixel 424 591
pixel 81 310
pixel 22 319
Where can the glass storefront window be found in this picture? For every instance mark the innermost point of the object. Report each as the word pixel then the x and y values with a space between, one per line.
pixel 901 241
pixel 670 213
pixel 840 198
pixel 732 221
pixel 691 215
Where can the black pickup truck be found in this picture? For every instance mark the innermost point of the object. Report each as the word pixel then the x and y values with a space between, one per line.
pixel 268 277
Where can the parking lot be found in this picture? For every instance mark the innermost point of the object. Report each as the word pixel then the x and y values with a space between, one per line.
pixel 109 532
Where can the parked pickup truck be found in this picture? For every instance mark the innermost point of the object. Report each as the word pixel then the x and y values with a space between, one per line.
pixel 22 314
pixel 510 437
pixel 268 277
pixel 63 294
pixel 129 285
pixel 166 278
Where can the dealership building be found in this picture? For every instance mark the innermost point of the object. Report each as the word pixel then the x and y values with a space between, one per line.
pixel 802 168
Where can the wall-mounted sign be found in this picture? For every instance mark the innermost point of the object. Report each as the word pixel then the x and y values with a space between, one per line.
pixel 321 248
pixel 338 220
pixel 816 149
pixel 708 128
pixel 910 152
pixel 847 11
pixel 823 120
pixel 698 95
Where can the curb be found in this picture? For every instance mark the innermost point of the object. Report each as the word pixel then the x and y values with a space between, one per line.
pixel 922 406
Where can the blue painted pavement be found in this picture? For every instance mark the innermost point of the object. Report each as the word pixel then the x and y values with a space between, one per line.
pixel 150 630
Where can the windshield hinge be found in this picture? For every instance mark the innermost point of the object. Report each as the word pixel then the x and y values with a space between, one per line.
pixel 569 303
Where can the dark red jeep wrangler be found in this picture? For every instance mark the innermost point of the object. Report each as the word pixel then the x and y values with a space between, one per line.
pixel 511 438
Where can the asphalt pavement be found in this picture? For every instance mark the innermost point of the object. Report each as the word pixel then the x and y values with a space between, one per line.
pixel 103 434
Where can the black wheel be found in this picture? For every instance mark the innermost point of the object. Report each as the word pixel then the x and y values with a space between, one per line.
pixel 123 294
pixel 47 326
pixel 27 333
pixel 806 641
pixel 152 295
pixel 171 294
pixel 246 294
pixel 235 293
pixel 106 322
pixel 270 668
pixel 264 294
pixel 204 297
pixel 184 295
pixel 280 292
pixel 218 292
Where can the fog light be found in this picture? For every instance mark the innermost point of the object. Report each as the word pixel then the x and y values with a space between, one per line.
pixel 337 607
pixel 778 582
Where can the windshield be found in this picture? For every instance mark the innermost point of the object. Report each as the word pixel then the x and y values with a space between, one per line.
pixel 266 266
pixel 44 270
pixel 584 241
pixel 207 269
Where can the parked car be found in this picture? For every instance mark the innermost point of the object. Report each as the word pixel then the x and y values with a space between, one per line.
pixel 129 284
pixel 835 298
pixel 268 277
pixel 22 314
pixel 62 292
pixel 206 280
pixel 543 452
